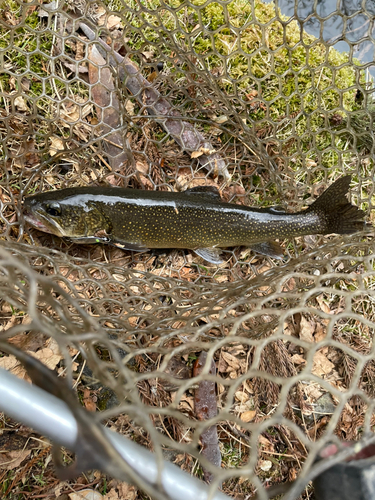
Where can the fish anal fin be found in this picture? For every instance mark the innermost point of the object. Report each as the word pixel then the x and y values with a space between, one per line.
pixel 269 248
pixel 210 255
pixel 207 191
pixel 133 247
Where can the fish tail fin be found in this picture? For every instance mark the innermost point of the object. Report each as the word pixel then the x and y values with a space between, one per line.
pixel 338 214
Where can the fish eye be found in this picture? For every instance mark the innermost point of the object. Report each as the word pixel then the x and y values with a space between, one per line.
pixel 53 209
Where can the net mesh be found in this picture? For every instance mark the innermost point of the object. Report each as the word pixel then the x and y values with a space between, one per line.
pixel 173 95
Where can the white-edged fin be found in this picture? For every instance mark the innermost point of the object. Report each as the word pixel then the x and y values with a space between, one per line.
pixel 210 255
pixel 269 248
pixel 129 246
pixel 89 240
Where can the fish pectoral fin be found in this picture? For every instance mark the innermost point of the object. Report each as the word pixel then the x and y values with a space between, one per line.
pixel 210 255
pixel 134 247
pixel 89 240
pixel 269 248
pixel 206 191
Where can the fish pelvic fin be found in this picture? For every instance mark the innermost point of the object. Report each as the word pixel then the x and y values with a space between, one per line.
pixel 210 255
pixel 336 212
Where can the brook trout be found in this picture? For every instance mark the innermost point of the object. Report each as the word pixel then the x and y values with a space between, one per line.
pixel 195 219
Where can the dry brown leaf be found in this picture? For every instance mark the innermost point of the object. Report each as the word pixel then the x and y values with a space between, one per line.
pixel 142 167
pixel 12 459
pixel 20 104
pixel 199 180
pixel 242 407
pixel 113 21
pixel 112 495
pixel 321 365
pixel 8 362
pixel 324 307
pixel 312 392
pixel 288 329
pixel 10 17
pixel 88 400
pixel 129 106
pixel 307 329
pixel 202 151
pixel 239 349
pixel 266 443
pixel 72 115
pixel 53 345
pixel 12 364
pixel 248 416
pixel 56 145
pixel 11 322
pixel 222 366
pixel 241 396
pixel 58 489
pixel 297 359
pixel 26 341
pixel 220 119
pixel 232 361
pixel 87 494
pixel 347 417
pixel 247 388
pixel 196 154
pixel 320 332
pixel 100 14
pixel 186 403
pixel 220 388
pixel 126 491
pixel 47 357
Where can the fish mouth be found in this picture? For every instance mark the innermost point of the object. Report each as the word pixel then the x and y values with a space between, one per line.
pixel 38 223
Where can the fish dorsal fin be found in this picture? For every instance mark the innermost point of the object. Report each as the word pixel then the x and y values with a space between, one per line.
pixel 207 191
pixel 210 255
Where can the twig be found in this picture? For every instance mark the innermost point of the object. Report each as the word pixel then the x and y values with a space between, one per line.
pixel 182 132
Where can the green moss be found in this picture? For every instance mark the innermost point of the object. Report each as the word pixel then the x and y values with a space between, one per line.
pixel 280 66
pixel 106 399
pixel 304 87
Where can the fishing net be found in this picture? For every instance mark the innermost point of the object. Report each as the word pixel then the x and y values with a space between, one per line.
pixel 168 96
